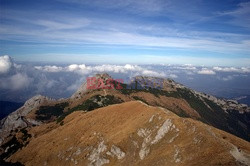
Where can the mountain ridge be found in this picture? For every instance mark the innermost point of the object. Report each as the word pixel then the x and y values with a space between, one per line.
pixel 132 133
pixel 223 114
pixel 166 97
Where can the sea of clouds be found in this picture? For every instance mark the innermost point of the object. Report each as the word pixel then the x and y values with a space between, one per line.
pixel 20 81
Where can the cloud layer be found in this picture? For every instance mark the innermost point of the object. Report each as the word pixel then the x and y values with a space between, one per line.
pixel 18 82
pixel 206 71
pixel 83 69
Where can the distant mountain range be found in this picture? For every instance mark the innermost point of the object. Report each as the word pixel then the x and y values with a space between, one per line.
pixel 139 122
pixel 7 107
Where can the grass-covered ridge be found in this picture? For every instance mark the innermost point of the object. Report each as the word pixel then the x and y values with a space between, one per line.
pixel 210 112
pixel 92 103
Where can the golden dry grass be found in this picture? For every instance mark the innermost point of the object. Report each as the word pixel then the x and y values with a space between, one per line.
pixel 132 127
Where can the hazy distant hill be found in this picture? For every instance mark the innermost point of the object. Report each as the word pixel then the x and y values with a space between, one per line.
pixel 7 107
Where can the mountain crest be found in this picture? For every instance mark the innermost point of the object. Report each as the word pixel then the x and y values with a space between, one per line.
pixel 84 87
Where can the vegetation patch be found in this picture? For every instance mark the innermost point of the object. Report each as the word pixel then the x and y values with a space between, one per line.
pixel 47 112
pixel 216 116
pixel 210 116
pixel 240 123
pixel 26 135
pixel 155 91
pixel 141 99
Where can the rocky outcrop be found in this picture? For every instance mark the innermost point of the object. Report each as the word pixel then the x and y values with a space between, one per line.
pixel 226 104
pixel 18 118
pixel 83 88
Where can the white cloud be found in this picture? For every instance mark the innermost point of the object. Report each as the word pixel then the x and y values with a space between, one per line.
pixel 206 71
pixel 173 76
pixel 186 67
pixel 49 68
pixel 232 69
pixel 228 78
pixel 19 81
pixel 83 69
pixel 129 67
pixel 152 73
pixel 15 82
pixel 110 68
pixel 190 68
pixel 5 64
pixel 75 67
pixel 245 69
pixel 225 69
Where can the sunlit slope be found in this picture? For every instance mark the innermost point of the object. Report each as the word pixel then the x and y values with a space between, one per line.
pixel 132 133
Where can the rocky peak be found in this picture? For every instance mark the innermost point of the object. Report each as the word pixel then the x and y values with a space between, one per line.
pixel 83 88
pixel 103 76
pixel 156 82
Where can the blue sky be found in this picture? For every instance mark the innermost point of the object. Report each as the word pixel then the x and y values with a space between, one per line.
pixel 199 32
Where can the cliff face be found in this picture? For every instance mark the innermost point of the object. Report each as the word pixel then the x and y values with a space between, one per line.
pixel 132 133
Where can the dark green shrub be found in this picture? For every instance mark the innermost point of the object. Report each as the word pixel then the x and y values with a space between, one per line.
pixel 47 112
